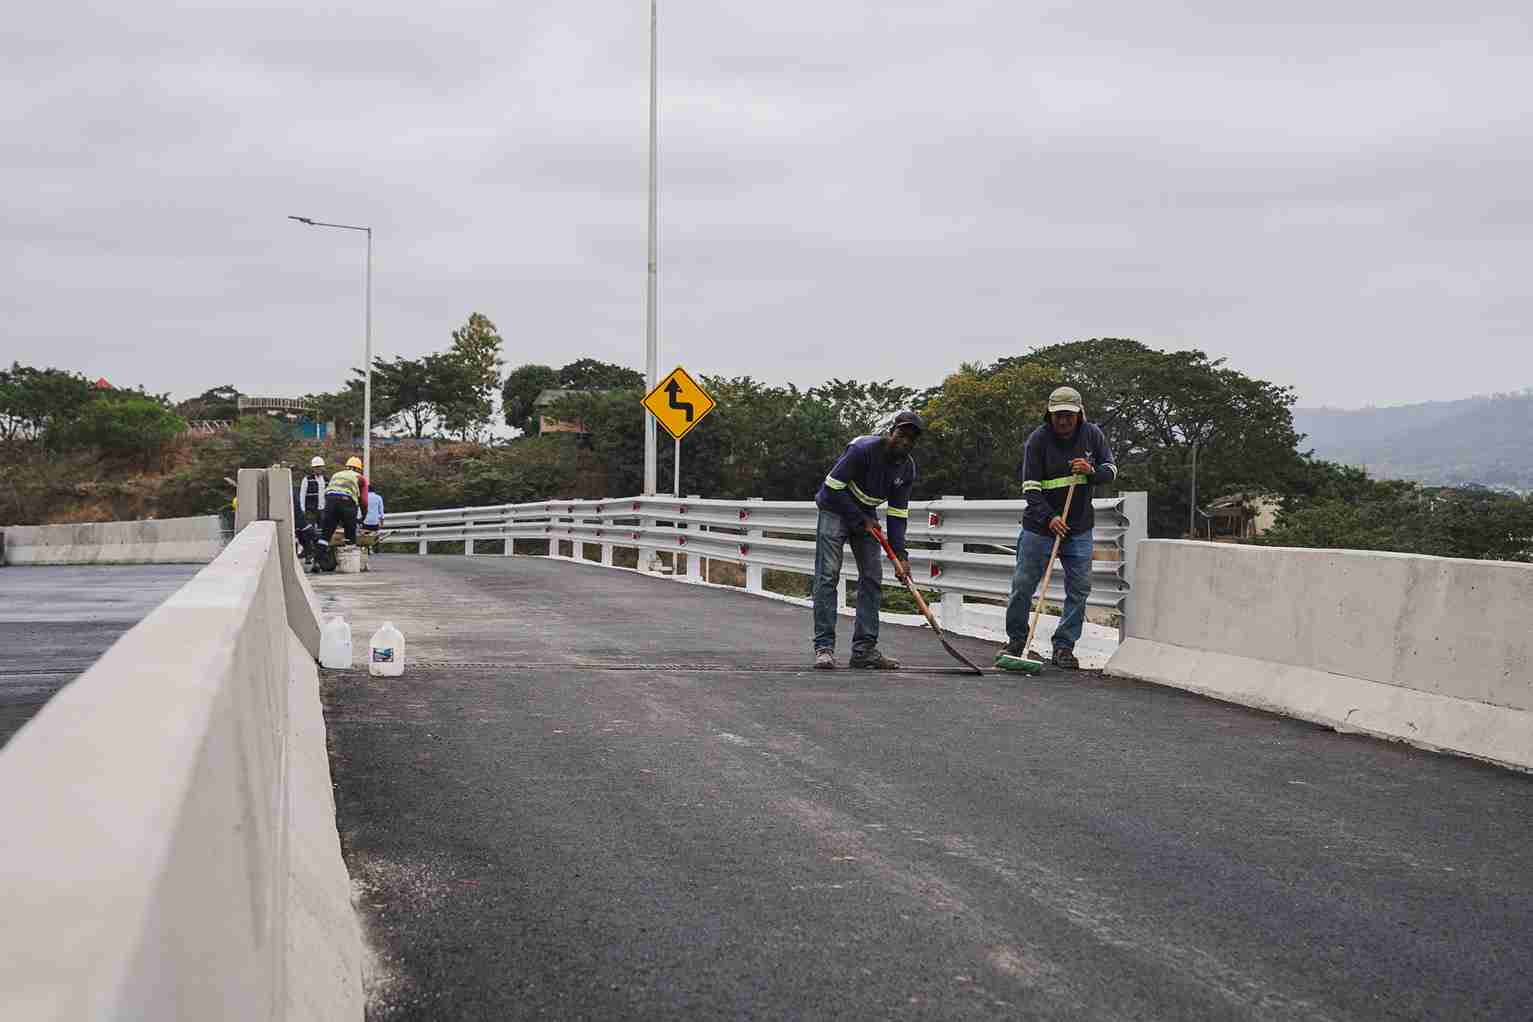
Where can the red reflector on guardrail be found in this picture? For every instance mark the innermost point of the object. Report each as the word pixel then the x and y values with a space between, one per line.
pixel 933 519
pixel 936 570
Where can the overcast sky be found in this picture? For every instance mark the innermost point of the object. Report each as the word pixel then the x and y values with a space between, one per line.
pixel 1334 195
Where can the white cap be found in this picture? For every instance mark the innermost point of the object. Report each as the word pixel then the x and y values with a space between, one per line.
pixel 316 462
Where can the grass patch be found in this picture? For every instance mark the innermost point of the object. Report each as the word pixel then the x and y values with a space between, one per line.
pixel 785 583
pixel 724 573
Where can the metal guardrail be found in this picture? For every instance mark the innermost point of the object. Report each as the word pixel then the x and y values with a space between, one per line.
pixel 957 547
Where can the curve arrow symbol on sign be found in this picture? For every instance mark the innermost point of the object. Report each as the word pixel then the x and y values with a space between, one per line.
pixel 671 390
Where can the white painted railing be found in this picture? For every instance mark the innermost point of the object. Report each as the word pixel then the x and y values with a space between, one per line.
pixel 957 547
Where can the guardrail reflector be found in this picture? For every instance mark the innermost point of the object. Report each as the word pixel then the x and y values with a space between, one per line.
pixel 933 519
pixel 936 570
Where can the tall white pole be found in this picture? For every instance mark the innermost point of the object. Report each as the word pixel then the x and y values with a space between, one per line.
pixel 367 384
pixel 651 353
pixel 676 473
pixel 1192 502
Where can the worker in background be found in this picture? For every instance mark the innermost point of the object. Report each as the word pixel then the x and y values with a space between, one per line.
pixel 311 497
pixel 1063 451
pixel 303 531
pixel 873 469
pixel 372 522
pixel 346 493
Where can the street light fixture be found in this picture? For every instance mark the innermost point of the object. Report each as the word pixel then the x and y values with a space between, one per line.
pixel 367 384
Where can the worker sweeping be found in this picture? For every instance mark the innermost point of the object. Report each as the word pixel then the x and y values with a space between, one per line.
pixel 1062 461
pixel 873 469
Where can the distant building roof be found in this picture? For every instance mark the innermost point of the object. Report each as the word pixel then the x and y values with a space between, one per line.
pixel 548 397
pixel 101 384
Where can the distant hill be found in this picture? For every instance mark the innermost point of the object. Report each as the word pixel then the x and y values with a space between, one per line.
pixel 1486 440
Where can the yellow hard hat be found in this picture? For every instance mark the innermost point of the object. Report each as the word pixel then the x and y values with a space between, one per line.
pixel 354 462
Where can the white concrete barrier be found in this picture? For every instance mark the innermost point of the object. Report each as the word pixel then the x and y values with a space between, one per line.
pixel 158 541
pixel 1434 651
pixel 169 846
pixel 269 492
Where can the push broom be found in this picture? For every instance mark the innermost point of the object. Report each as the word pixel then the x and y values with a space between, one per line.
pixel 911 586
pixel 1025 663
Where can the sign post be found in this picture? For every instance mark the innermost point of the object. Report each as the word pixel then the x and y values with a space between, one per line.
pixel 678 404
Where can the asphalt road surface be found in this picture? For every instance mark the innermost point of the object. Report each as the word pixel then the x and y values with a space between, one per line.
pixel 56 621
pixel 595 794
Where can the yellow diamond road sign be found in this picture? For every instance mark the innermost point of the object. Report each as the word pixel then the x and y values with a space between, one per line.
pixel 678 403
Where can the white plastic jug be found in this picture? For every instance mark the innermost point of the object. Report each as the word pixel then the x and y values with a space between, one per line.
pixel 386 652
pixel 349 560
pixel 335 644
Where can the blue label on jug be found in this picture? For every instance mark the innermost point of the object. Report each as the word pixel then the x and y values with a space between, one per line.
pixel 383 656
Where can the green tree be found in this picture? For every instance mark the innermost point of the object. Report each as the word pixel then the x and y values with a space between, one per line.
pixel 403 391
pixel 591 374
pixel 977 426
pixel 464 378
pixel 1156 405
pixel 40 405
pixel 128 426
pixel 1392 514
pixel 520 394
pixel 214 403
pixel 614 423
pixel 863 408
pixel 524 384
pixel 260 440
pixel 344 407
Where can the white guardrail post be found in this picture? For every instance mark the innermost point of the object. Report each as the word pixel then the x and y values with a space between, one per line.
pixel 952 602
pixel 694 559
pixel 754 572
pixel 1136 508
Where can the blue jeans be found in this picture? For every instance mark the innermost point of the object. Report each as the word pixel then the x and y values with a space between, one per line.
pixel 830 538
pixel 1032 560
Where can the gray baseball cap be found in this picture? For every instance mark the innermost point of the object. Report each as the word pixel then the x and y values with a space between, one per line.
pixel 1065 399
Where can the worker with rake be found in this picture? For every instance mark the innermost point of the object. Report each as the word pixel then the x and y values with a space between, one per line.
pixel 1062 461
pixel 873 469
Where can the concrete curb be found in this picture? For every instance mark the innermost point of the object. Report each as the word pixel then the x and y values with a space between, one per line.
pixel 1438 723
pixel 1427 650
pixel 160 541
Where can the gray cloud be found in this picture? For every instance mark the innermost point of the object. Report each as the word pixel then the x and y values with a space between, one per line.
pixel 1334 199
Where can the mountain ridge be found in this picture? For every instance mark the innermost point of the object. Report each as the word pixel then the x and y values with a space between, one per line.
pixel 1486 440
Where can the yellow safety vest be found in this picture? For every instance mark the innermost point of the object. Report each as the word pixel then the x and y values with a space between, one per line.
pixel 346 483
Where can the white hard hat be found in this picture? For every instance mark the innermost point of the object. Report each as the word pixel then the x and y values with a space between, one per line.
pixel 316 462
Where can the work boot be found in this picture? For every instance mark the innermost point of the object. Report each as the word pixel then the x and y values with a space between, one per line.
pixel 824 659
pixel 1066 658
pixel 873 660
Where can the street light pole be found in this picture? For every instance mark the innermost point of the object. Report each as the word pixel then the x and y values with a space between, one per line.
pixel 651 354
pixel 1192 503
pixel 367 371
